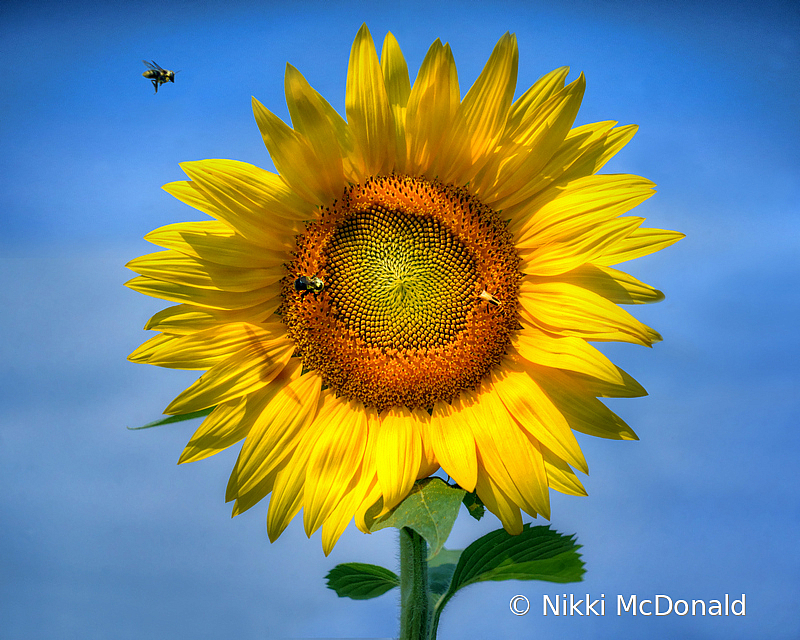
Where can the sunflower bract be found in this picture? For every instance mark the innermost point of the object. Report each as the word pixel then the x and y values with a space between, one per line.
pixel 415 289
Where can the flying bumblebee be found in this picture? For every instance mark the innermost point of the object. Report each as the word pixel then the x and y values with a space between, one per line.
pixel 157 75
pixel 304 284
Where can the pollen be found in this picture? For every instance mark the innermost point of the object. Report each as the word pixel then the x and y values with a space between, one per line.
pixel 418 297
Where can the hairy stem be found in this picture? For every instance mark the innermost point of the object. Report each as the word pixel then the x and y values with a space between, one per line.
pixel 415 613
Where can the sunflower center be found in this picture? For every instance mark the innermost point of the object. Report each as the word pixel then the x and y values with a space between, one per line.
pixel 399 280
pixel 418 293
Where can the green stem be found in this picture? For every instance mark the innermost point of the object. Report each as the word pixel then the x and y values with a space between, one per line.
pixel 437 611
pixel 415 613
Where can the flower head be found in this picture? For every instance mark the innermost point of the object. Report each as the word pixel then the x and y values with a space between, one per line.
pixel 415 288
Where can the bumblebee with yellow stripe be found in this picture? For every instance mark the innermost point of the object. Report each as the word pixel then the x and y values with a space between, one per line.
pixel 157 75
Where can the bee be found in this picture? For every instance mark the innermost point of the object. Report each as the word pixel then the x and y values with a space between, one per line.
pixel 157 75
pixel 488 297
pixel 304 284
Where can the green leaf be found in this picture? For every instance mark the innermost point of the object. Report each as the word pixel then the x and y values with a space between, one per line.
pixel 171 419
pixel 441 569
pixel 361 581
pixel 474 505
pixel 538 553
pixel 430 509
pixel 445 556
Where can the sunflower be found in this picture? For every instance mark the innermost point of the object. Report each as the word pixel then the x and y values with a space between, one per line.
pixel 415 288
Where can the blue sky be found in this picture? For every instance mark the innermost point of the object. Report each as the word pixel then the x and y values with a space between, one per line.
pixel 104 536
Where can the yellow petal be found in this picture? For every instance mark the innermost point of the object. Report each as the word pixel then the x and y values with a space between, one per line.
pixel 613 285
pixel 499 503
pixel 179 268
pixel 367 106
pixel 334 460
pixel 537 415
pixel 345 144
pixel 640 243
pixel 480 119
pixel 289 486
pixel 290 407
pixel 565 352
pixel 297 161
pixel 575 399
pixel 190 193
pixel 341 515
pixel 395 72
pixel 578 206
pixel 398 455
pixel 184 319
pixel 155 344
pixel 604 389
pixel 213 241
pixel 568 253
pixel 363 483
pixel 429 464
pixel 398 88
pixel 223 427
pixel 545 87
pixel 310 118
pixel 559 476
pixel 245 500
pixel 432 104
pixel 204 349
pixel 566 309
pixel 454 446
pixel 203 297
pixel 254 202
pixel 506 454
pixel 228 423
pixel 540 136
pixel 244 372
pixel 263 194
pixel 372 490
pixel 287 494
pixel 372 503
pixel 583 155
